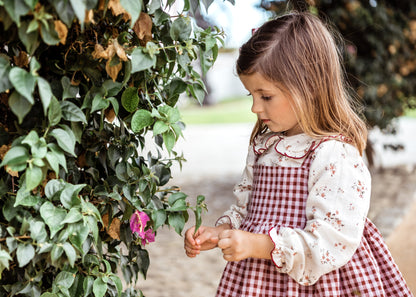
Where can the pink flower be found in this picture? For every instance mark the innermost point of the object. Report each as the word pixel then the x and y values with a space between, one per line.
pixel 138 223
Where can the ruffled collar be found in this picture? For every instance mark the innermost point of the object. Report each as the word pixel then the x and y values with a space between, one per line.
pixel 295 147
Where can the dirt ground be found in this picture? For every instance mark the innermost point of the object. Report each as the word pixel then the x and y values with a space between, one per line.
pixel 171 273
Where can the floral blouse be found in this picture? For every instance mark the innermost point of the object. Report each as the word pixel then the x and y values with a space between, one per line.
pixel 339 195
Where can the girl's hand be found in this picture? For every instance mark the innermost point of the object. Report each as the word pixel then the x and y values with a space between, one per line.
pixel 238 245
pixel 205 238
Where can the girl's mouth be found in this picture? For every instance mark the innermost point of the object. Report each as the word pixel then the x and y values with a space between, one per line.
pixel 265 120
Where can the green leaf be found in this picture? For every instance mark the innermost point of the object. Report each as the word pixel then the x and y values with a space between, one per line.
pixel 38 232
pixel 158 218
pixel 30 40
pixel 47 294
pixel 25 198
pixel 79 7
pixel 24 253
pixel 177 221
pixel 71 112
pixel 15 156
pixel 181 29
pixel 16 8
pixel 169 140
pixel 19 105
pixel 23 82
pixel 73 216
pixel 176 196
pixel 55 112
pixel 69 91
pixel 133 7
pixel 197 92
pixel 179 205
pixel 117 282
pixel 141 61
pixel 64 279
pixel 99 103
pixel 4 260
pixel 52 216
pixel 34 176
pixel 99 288
pixel 65 140
pixel 69 196
pixel 130 99
pixel 5 67
pixel 58 154
pixel 53 187
pixel 87 285
pixel 48 33
pixel 160 127
pixel 78 234
pixel 70 253
pixel 142 118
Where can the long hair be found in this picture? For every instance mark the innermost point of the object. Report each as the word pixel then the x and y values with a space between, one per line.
pixel 299 54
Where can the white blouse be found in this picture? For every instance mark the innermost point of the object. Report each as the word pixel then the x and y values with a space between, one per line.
pixel 339 188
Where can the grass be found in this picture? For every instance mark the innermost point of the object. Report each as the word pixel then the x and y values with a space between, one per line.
pixel 233 110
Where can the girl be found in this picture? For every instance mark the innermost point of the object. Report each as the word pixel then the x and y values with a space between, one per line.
pixel 299 226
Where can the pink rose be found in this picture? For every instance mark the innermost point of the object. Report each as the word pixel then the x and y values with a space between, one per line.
pixel 138 223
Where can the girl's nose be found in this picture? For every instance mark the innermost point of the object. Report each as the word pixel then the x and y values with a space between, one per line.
pixel 256 107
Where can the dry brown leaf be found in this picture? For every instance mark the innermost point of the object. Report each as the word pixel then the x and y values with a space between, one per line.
pixel 11 172
pixel 113 71
pixel 89 17
pixel 143 27
pixel 118 9
pixel 101 5
pixel 62 31
pixel 3 150
pixel 99 52
pixel 22 60
pixel 114 229
pixel 119 50
pixel 110 115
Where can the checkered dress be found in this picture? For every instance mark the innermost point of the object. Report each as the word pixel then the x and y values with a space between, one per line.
pixel 370 272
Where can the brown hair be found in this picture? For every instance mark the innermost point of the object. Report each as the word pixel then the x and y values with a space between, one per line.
pixel 298 53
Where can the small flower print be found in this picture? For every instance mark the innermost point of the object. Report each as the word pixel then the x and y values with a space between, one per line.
pixel 331 168
pixel 138 223
pixel 334 220
pixel 360 187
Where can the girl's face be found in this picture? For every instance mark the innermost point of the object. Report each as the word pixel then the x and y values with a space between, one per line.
pixel 271 105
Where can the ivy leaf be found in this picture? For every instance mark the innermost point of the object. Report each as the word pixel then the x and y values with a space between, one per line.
pixel 130 99
pixel 19 105
pixel 160 127
pixel 65 140
pixel 4 74
pixel 79 7
pixel 16 8
pixel 45 93
pixel 181 29
pixel 38 231
pixel 169 140
pixel 73 216
pixel 197 92
pixel 25 198
pixel 30 40
pixel 4 260
pixel 69 195
pixel 69 91
pixel 58 155
pixel 141 61
pixel 158 218
pixel 64 279
pixel 52 216
pixel 99 103
pixel 118 283
pixel 99 287
pixel 55 112
pixel 15 156
pixel 78 234
pixel 53 187
pixel 48 33
pixel 24 82
pixel 71 112
pixel 70 253
pixel 24 254
pixel 142 118
pixel 177 221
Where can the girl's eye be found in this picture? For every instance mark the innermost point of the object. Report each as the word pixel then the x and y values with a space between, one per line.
pixel 266 98
pixel 249 94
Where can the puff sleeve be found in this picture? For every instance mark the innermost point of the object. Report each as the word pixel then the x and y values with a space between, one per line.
pixel 339 195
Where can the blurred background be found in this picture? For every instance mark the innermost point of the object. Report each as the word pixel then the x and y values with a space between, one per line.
pixel 379 51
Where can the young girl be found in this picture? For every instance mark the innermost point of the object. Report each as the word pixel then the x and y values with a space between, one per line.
pixel 299 226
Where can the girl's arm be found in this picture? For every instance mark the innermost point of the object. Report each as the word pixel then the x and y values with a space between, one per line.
pixel 338 201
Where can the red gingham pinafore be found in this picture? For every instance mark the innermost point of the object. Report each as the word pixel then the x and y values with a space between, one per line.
pixel 279 198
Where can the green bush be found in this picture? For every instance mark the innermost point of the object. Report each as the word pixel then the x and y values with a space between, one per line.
pixel 82 83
